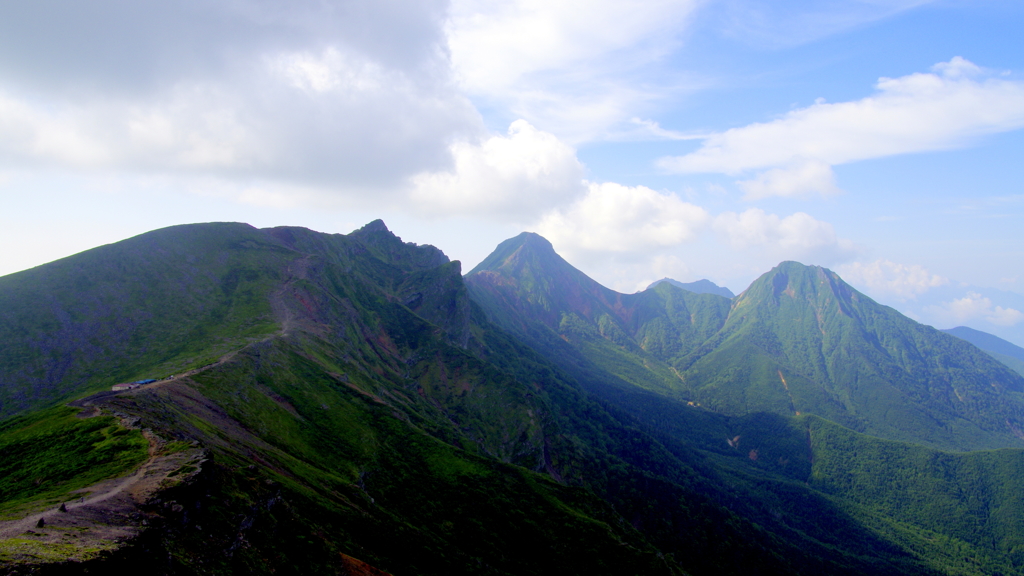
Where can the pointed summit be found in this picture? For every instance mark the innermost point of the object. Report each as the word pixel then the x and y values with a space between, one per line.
pixel 529 290
pixel 528 246
pixel 794 284
pixel 801 340
pixel 384 244
pixel 527 274
pixel 375 226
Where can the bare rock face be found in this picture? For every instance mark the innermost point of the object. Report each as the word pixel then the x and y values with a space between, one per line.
pixel 439 296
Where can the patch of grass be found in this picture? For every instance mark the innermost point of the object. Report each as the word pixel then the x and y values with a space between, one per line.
pixel 51 453
pixel 174 447
pixel 28 551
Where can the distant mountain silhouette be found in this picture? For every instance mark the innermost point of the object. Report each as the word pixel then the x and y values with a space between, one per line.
pixel 1006 352
pixel 699 287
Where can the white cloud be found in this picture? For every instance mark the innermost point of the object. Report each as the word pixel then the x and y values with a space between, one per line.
pixel 640 129
pixel 798 236
pixel 777 24
pixel 947 108
pixel 623 236
pixel 331 95
pixel 1005 316
pixel 616 218
pixel 887 278
pixel 329 70
pixel 802 179
pixel 497 44
pixel 974 306
pixel 31 132
pixel 572 67
pixel 517 176
pixel 626 237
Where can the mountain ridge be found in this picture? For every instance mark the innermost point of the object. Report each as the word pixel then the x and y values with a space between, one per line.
pixel 380 415
pixel 702 286
pixel 798 340
pixel 1006 352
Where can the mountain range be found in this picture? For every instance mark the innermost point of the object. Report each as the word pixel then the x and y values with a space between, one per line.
pixel 699 287
pixel 798 340
pixel 1006 352
pixel 353 404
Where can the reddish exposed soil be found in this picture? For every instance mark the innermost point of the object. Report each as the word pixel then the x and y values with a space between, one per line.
pixel 355 567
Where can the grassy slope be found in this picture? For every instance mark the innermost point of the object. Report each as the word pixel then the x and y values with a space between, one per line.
pixel 146 307
pixel 371 452
pixel 49 454
pixel 848 359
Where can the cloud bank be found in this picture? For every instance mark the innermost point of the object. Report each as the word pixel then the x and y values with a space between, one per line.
pixel 886 278
pixel 515 177
pixel 571 67
pixel 798 236
pixel 616 218
pixel 950 107
pixel 974 306
pixel 341 96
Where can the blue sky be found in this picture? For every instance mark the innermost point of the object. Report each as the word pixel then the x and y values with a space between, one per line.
pixel 682 138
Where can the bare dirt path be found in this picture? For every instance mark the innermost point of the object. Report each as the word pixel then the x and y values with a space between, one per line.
pixel 103 519
pixel 97 493
pixel 108 514
pixel 297 270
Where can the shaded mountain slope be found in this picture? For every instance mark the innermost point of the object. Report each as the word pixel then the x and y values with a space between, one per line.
pixel 936 503
pixel 380 416
pixel 529 289
pixel 324 437
pixel 799 340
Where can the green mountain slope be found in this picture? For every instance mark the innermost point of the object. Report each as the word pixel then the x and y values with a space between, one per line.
pixel 799 340
pixel 143 308
pixel 937 503
pixel 324 436
pixel 530 290
pixel 1006 352
pixel 379 417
